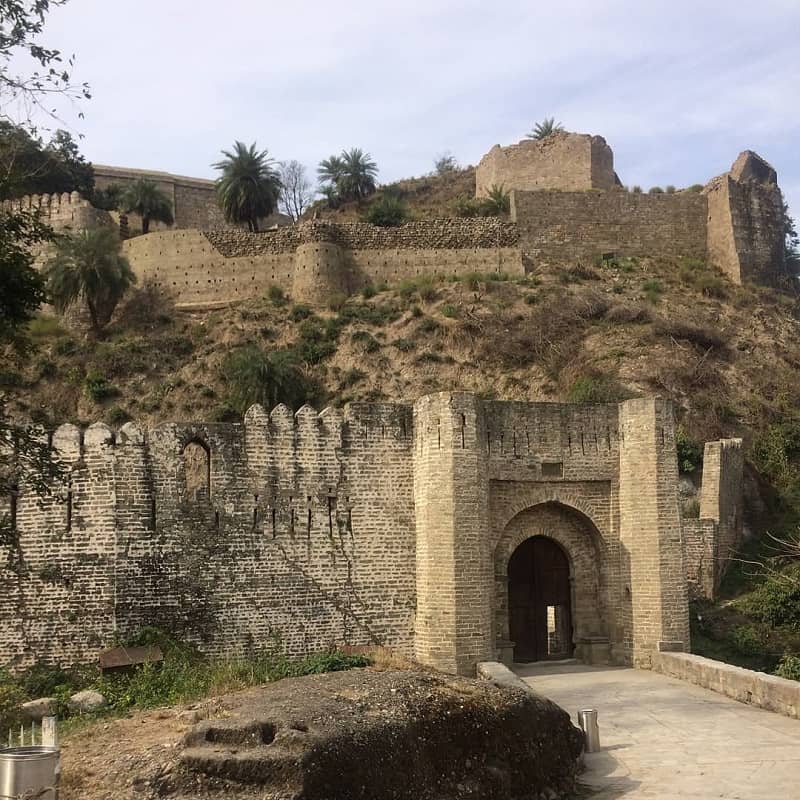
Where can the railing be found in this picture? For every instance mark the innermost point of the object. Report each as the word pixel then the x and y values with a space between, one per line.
pixel 44 733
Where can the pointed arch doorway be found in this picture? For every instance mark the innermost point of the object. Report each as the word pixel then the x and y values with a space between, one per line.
pixel 540 601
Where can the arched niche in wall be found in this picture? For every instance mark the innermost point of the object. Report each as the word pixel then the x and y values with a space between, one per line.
pixel 197 470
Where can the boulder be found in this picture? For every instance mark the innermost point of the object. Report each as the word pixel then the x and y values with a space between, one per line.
pixel 86 701
pixel 41 707
pixel 362 734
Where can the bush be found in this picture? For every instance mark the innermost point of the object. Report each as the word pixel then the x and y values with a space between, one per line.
pixel 300 312
pixel 11 700
pixel 703 278
pixel 387 212
pixel 449 310
pixel 596 389
pixel 776 601
pixel 748 640
pixel 317 341
pixel 404 345
pixel 685 331
pixel 690 453
pixel 276 296
pixel 117 416
pixel 670 189
pixel 652 290
pixel 369 291
pixel 255 376
pixel 424 286
pixel 97 386
pixel 789 667
pixel 45 326
pixel 696 187
pixel 370 343
pixel 655 190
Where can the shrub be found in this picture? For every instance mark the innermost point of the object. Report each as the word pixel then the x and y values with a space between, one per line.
pixel 596 389
pixel 351 377
pixel 429 325
pixel 11 700
pixel 655 190
pixel 117 416
pixel 690 453
pixel 703 278
pixel 449 310
pixel 276 296
pixel 10 378
pixel 789 667
pixel 628 314
pixel 670 189
pixel 404 345
pixel 748 640
pixel 445 164
pixel 317 341
pixel 371 344
pixel 387 212
pixel 776 601
pixel 255 376
pixel 696 187
pixel 636 190
pixel 424 286
pixel 300 312
pixel 685 331
pixel 97 386
pixel 652 290
pixel 44 326
pixel 368 291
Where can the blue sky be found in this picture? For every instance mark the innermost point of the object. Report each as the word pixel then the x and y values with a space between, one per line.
pixel 677 88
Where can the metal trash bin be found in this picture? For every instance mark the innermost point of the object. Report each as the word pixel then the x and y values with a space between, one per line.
pixel 587 719
pixel 31 771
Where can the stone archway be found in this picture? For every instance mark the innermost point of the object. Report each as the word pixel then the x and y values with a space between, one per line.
pixel 578 539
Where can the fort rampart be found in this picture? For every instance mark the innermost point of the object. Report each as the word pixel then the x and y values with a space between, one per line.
pixel 379 524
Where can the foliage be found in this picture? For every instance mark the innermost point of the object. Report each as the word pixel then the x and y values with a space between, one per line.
pixel 249 187
pixel 28 166
pixel 23 23
pixel 789 667
pixel 652 290
pixel 89 267
pixel 387 212
pixel 596 389
pixel 498 202
pixel 423 287
pixel 296 191
pixel 97 386
pixel 445 164
pixel 791 241
pixel 253 376
pixel 300 312
pixel 690 453
pixel 22 287
pixel 776 601
pixel 110 198
pixel 348 176
pixel 276 295
pixel 143 197
pixel 547 127
pixel 655 190
pixel 703 278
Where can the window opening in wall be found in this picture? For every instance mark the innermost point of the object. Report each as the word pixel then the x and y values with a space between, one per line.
pixel 69 505
pixel 152 510
pixel 583 446
pixel 197 469
pixel 331 499
pixel 514 441
pixel 552 469
pixel 216 520
pixel 274 523
pixel 463 431
pixel 255 511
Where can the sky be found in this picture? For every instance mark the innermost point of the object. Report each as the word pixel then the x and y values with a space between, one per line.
pixel 677 88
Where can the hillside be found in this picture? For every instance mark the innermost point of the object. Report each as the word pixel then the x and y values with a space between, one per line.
pixel 728 356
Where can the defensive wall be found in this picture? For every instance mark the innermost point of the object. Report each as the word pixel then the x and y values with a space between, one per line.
pixel 316 260
pixel 379 524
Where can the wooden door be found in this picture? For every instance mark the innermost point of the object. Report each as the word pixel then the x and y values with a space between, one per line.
pixel 539 600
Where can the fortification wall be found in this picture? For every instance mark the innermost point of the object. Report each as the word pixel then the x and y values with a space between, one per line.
pixel 296 531
pixel 67 211
pixel 312 261
pixel 568 227
pixel 565 161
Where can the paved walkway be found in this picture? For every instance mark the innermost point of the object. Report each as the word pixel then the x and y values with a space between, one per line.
pixel 664 739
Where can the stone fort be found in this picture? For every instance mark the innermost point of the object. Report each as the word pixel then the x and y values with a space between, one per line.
pixel 453 530
pixel 567 207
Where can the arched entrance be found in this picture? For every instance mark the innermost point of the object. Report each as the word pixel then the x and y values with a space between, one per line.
pixel 539 601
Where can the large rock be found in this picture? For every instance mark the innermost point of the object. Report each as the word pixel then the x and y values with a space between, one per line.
pixel 41 707
pixel 86 701
pixel 395 735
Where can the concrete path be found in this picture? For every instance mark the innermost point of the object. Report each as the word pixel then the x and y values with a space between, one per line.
pixel 664 739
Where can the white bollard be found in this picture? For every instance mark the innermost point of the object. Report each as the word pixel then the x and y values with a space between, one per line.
pixel 587 719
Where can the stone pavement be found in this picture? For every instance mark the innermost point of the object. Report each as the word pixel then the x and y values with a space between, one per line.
pixel 663 739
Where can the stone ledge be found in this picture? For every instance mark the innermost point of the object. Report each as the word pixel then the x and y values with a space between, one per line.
pixel 747 686
pixel 500 675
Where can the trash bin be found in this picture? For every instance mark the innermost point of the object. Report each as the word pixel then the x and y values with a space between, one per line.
pixel 587 719
pixel 29 772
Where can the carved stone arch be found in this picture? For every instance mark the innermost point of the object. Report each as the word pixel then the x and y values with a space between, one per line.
pixel 197 469
pixel 573 530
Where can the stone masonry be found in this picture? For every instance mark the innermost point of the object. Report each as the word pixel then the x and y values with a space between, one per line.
pixel 379 524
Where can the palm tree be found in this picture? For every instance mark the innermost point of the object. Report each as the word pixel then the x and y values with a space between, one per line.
pixel 498 201
pixel 89 267
pixel 351 175
pixel 143 197
pixel 249 186
pixel 547 127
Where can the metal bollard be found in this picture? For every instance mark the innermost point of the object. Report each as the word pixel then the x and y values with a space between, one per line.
pixel 29 772
pixel 587 719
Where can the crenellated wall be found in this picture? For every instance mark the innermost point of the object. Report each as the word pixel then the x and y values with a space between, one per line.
pixel 67 211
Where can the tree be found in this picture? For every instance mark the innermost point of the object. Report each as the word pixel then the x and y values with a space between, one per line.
pixel 445 164
pixel 89 267
pixel 547 127
pixel 389 211
pixel 143 197
pixel 351 175
pixel 498 202
pixel 30 167
pixel 296 189
pixel 249 187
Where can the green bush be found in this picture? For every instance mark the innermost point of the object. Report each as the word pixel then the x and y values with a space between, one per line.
pixel 276 296
pixel 255 376
pixel 429 325
pixel 776 601
pixel 655 190
pixel 11 700
pixel 596 389
pixel 652 290
pixel 748 640
pixel 389 211
pixel 316 342
pixel 404 345
pixel 423 286
pixel 45 326
pixel 370 343
pixel 117 416
pixel 449 310
pixel 97 387
pixel 369 291
pixel 690 453
pixel 789 667
pixel 300 312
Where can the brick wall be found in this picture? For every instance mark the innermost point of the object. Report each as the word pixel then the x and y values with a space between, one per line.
pixel 566 161
pixel 381 524
pixel 567 227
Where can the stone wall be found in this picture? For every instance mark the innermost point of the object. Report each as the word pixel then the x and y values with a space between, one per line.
pixel 565 161
pixel 64 212
pixel 313 261
pixel 381 524
pixel 561 227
